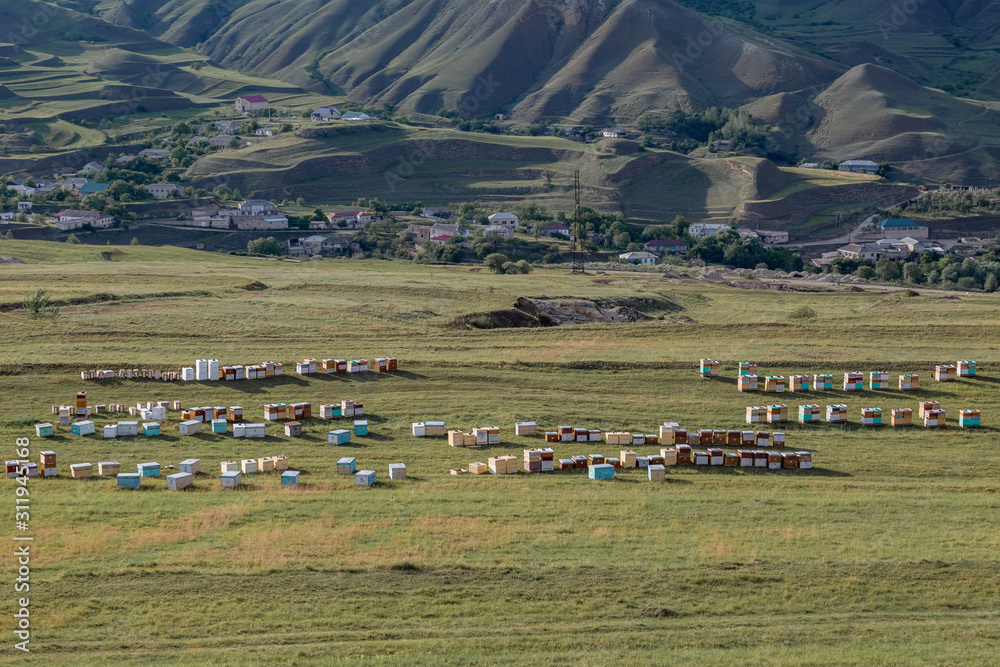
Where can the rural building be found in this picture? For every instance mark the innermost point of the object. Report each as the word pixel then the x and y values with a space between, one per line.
pixel 897 228
pixel 122 159
pixel 869 251
pixel 264 132
pixel 500 116
pixel 638 257
pixel 95 167
pixel 194 140
pixel 503 231
pixel 76 219
pixel 767 237
pixel 8 215
pixel 858 166
pixel 256 222
pixel 350 220
pixel 721 145
pixel 154 153
pixel 256 207
pixel 228 127
pixel 441 239
pixel 505 219
pixel 91 189
pixel 809 165
pixel 247 104
pixel 319 245
pixel 613 132
pixel 220 140
pixel 555 229
pixel 74 184
pixel 24 205
pixel 325 113
pixel 701 230
pixel 420 233
pixel 667 245
pixel 355 115
pixel 160 190
pixel 444 229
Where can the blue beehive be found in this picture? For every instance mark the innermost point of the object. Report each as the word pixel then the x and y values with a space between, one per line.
pixel 601 471
pixel 339 437
pixel 289 477
pixel 364 478
pixel 149 469
pixel 346 466
pixel 129 480
pixel 43 430
pixel 150 428
pixel 219 426
pixel 360 427
pixel 231 479
pixel 85 427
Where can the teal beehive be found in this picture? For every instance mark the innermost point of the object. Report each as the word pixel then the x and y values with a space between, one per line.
pixel 129 480
pixel 601 471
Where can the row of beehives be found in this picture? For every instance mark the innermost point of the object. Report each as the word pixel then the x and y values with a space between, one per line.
pixel 601 467
pixel 347 465
pixel 194 426
pixel 777 384
pixel 309 365
pixel 942 372
pixel 211 370
pixel 929 411
pixel 131 374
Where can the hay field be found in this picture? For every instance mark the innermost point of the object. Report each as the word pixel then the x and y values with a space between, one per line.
pixel 885 552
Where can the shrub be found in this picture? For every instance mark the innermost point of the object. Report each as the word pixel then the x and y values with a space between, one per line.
pixel 803 313
pixel 40 305
pixel 496 262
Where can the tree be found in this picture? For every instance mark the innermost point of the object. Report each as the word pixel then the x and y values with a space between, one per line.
pixel 72 239
pixel 318 214
pixel 286 128
pixel 40 305
pixel 134 241
pixel 496 262
pixel 912 273
pixel 989 286
pixel 264 246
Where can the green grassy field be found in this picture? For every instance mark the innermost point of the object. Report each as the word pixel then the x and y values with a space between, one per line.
pixel 884 553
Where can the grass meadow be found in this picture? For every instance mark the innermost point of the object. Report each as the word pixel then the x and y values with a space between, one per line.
pixel 884 553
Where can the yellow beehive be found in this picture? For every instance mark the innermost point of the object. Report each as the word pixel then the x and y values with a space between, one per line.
pixel 627 457
pixel 902 417
pixel 280 462
pixel 479 468
pixel 457 439
pixel 265 464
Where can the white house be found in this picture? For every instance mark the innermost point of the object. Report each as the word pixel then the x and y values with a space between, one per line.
pixel 638 257
pixel 154 153
pixel 503 231
pixel 325 113
pixel 94 167
pixel 264 132
pixel 555 229
pixel 870 251
pixel 24 205
pixel 505 219
pixel 75 219
pixel 351 220
pixel 613 132
pixel 444 229
pixel 160 190
pixel 228 127
pixel 8 215
pixel 701 230
pixel 256 207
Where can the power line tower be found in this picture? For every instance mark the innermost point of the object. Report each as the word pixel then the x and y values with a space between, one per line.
pixel 577 266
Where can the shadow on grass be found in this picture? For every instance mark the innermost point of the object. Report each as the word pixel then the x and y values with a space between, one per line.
pixel 983 378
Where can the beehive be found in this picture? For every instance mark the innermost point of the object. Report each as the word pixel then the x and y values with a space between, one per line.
pixel 871 416
pixel 487 435
pixel 151 469
pixel 580 461
pixel 43 430
pixel 265 464
pixel 774 460
pixel 627 458
pixel 836 413
pixel 733 438
pixel 280 462
pixel 680 436
pixel 249 430
pixel 901 416
pixel 129 480
pixel 179 480
pixel 748 438
pixel 189 427
pixel 934 418
pixel 719 436
pixel 330 411
pixel 81 470
pixel 709 368
pixel 702 458
pixel 191 466
pixel 909 382
pixel 219 426
pixel 85 427
pixel 601 471
pixel 809 413
pixel 248 466
pixel 434 429
pixel 799 383
pixel 290 478
pixel 657 473
pixel 683 455
pixel 108 468
pixel 968 418
pixel 275 412
pixel 231 479
pixel 111 430
pixel 293 429
pixel 525 428
pixel 789 460
pixel 944 372
pixel 730 459
pixel 229 466
pixel 853 381
pixel 397 471
pixel 756 414
pixel 777 439
pixel 715 456
pixel 747 383
pixel 748 368
pixel 346 465
pixel 667 430
pixel 497 465
pixel 777 414
pixel 759 458
pixel 478 468
pixel 150 429
pixel 745 457
pixel 235 413
pixel 774 384
pixel 805 459
pixel 762 439
pixel 877 380
pixel 924 406
pixel 966 369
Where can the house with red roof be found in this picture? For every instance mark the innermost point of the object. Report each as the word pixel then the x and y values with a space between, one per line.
pixel 247 104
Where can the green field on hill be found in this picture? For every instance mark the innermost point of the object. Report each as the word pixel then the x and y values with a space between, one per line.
pixel 885 552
